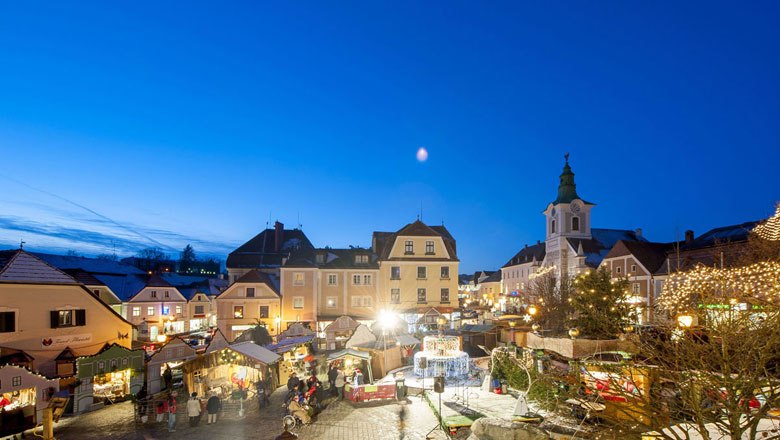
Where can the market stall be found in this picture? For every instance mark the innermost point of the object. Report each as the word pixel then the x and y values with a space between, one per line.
pixel 339 331
pixel 111 375
pixel 348 360
pixel 232 374
pixel 172 355
pixel 23 396
pixel 297 356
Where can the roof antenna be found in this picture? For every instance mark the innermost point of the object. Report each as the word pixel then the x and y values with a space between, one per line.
pixel 268 223
pixel 300 226
pixel 419 216
pixel 21 244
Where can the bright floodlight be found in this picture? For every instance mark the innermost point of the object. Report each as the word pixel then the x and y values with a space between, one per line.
pixel 386 319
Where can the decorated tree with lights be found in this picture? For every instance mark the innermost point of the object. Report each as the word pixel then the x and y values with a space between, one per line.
pixel 599 304
pixel 553 298
pixel 715 367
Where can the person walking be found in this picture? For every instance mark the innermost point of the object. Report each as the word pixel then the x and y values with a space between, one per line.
pixel 193 410
pixel 213 405
pixel 332 373
pixel 172 411
pixel 339 383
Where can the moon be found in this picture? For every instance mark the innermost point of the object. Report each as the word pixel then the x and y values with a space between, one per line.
pixel 422 154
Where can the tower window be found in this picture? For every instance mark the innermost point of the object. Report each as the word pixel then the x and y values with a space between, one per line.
pixel 575 223
pixel 552 227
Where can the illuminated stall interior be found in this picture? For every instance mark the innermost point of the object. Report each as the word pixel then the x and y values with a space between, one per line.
pixel 236 368
pixel 23 394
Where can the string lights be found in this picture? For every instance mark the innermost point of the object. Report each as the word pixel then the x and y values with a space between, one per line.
pixel 770 229
pixel 759 281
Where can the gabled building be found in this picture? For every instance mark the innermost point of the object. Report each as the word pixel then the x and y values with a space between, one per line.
pixel 418 270
pixel 157 308
pixel 52 318
pixel 266 252
pixel 517 273
pixel 251 299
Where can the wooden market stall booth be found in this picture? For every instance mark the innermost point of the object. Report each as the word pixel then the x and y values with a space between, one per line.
pixel 23 396
pixel 111 375
pixel 231 373
pixel 297 355
pixel 171 355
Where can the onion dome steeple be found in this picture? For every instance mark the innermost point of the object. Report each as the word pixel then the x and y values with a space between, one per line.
pixel 567 189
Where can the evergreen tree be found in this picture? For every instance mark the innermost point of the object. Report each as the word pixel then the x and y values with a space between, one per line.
pixel 187 259
pixel 600 304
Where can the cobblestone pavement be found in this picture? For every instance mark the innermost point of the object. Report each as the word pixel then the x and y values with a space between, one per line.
pixel 340 420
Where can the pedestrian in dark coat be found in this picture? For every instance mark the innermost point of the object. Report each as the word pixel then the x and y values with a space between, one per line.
pixel 333 372
pixel 213 405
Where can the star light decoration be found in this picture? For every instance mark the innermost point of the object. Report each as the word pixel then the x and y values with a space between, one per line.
pixel 770 229
pixel 760 281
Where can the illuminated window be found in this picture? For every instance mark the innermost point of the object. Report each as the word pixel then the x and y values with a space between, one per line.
pixel 150 311
pixel 165 310
pixel 298 279
pixel 178 310
pixel 331 302
pixel 136 311
pixel 297 302
pixel 238 312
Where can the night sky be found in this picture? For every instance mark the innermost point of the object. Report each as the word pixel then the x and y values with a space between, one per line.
pixel 167 123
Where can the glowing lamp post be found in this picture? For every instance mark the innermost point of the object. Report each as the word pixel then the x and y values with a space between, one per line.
pixel 685 321
pixel 574 332
pixel 278 322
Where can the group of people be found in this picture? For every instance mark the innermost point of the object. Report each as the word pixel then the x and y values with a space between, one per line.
pixel 195 409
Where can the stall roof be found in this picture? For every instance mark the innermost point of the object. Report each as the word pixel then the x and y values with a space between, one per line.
pixel 406 339
pixel 288 344
pixel 349 352
pixel 256 352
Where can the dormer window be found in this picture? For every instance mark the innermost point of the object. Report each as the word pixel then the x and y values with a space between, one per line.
pixel 154 294
pixel 429 250
pixel 552 227
pixel 361 259
pixel 575 223
pixel 409 247
pixel 320 258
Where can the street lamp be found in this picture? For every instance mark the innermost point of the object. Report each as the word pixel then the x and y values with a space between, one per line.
pixel 512 325
pixel 685 320
pixel 386 320
pixel 574 332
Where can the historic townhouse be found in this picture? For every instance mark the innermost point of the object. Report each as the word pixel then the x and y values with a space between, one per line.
pixel 157 308
pixel 48 319
pixel 319 285
pixel 251 299
pixel 418 272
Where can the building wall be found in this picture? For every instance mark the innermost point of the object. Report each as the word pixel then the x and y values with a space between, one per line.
pixel 175 302
pixel 235 296
pixel 409 283
pixel 358 300
pixel 307 291
pixel 33 304
pixel 516 278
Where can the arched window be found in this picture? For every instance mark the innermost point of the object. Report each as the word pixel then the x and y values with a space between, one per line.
pixel 552 227
pixel 575 223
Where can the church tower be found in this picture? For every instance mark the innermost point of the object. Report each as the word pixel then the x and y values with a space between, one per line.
pixel 568 216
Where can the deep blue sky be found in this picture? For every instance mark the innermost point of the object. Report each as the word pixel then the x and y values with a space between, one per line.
pixel 193 122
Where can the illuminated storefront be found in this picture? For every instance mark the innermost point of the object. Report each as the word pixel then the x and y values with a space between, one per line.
pixel 23 396
pixel 108 376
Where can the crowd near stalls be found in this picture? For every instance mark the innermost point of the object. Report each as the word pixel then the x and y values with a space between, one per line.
pixel 108 376
pixel 23 396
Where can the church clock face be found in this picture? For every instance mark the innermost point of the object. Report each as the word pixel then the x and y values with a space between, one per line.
pixel 575 207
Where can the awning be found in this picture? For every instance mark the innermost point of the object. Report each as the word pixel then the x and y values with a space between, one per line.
pixel 349 352
pixel 256 352
pixel 405 339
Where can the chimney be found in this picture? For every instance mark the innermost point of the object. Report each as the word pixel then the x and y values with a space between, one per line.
pixel 278 235
pixel 538 241
pixel 688 236
pixel 638 232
